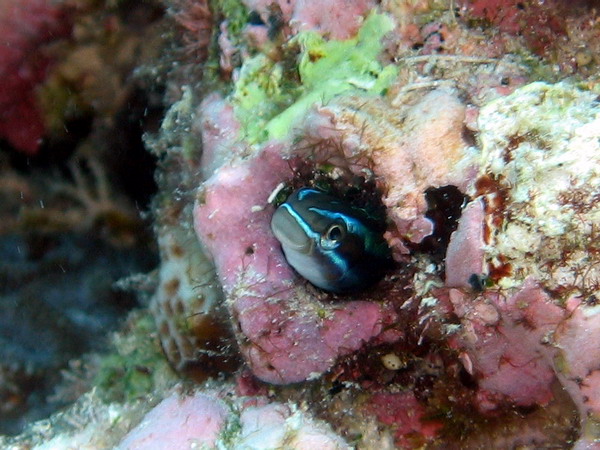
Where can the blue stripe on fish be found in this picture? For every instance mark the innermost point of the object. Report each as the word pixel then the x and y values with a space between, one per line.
pixel 334 245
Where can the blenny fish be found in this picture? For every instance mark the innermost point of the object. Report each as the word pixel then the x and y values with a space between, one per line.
pixel 336 246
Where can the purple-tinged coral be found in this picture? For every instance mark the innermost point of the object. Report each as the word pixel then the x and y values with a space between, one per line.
pixel 503 339
pixel 408 144
pixel 179 422
pixel 517 347
pixel 464 256
pixel 563 33
pixel 337 20
pixel 406 415
pixel 535 243
pixel 539 22
pixel 219 130
pixel 285 333
pixel 211 419
pixel 576 360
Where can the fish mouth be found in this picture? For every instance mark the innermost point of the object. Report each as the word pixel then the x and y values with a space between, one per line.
pixel 289 232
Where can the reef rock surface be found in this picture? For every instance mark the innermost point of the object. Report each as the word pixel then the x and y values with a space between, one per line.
pixel 483 331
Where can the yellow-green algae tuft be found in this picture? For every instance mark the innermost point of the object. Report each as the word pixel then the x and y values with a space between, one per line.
pixel 268 104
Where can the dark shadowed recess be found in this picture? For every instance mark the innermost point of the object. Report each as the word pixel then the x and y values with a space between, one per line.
pixel 120 149
pixel 57 301
pixel 444 207
pixel 57 294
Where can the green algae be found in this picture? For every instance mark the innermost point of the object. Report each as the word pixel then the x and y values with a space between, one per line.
pixel 175 128
pixel 136 366
pixel 235 15
pixel 231 431
pixel 268 103
pixel 259 96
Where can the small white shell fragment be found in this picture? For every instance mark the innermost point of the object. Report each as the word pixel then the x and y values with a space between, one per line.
pixel 276 191
pixel 391 361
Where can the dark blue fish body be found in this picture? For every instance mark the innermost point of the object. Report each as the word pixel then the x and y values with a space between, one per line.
pixel 334 245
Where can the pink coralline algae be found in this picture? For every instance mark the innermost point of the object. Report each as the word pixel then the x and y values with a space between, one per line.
pixel 179 422
pixel 285 335
pixel 562 32
pixel 285 331
pixel 504 341
pixel 465 249
pixel 27 27
pixel 406 415
pixel 206 420
pixel 485 311
pixel 542 25
pixel 539 22
pixel 340 20
pixel 575 360
pixel 518 346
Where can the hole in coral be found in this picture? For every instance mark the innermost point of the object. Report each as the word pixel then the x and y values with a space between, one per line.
pixel 275 20
pixel 444 209
pixel 330 175
pixel 466 379
pixel 361 192
pixel 336 388
pixel 478 282
pixel 526 410
pixel 468 136
pixel 255 19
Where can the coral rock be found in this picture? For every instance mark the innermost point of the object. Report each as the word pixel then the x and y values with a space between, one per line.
pixel 409 146
pixel 504 339
pixel 203 419
pixel 464 256
pixel 577 363
pixel 178 423
pixel 339 20
pixel 285 333
pixel 276 425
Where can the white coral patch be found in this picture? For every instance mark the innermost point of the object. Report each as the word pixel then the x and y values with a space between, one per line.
pixel 543 145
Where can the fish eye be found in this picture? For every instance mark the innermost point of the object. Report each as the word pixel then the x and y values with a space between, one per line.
pixel 335 233
pixel 333 236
